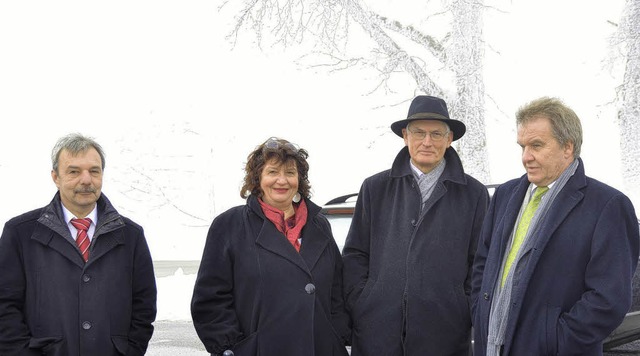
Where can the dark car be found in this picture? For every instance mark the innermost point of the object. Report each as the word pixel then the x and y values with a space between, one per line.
pixel 339 212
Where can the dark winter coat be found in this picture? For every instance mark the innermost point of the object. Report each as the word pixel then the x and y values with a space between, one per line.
pixel 256 295
pixel 407 275
pixel 576 287
pixel 52 303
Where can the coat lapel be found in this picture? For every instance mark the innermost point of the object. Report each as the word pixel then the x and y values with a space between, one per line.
pixel 58 243
pixel 104 243
pixel 564 203
pixel 313 244
pixel 512 211
pixel 504 227
pixel 273 240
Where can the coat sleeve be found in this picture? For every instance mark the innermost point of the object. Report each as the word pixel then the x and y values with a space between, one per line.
pixel 339 316
pixel 608 275
pixel 355 254
pixel 212 304
pixel 478 219
pixel 14 332
pixel 144 297
pixel 481 254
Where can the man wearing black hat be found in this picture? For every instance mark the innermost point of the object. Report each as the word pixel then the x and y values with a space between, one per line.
pixel 409 252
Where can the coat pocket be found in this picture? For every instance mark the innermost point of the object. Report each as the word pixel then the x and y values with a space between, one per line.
pixel 361 301
pixel 247 346
pixel 53 345
pixel 121 344
pixel 553 315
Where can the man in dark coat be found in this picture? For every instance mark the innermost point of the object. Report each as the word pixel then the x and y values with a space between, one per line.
pixel 409 252
pixel 565 285
pixel 58 297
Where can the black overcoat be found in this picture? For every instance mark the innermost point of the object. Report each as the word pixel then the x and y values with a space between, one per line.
pixel 256 295
pixel 52 303
pixel 407 270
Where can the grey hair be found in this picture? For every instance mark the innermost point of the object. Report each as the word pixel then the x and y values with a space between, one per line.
pixel 75 143
pixel 565 124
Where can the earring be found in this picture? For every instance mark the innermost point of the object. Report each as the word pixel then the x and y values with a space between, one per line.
pixel 297 197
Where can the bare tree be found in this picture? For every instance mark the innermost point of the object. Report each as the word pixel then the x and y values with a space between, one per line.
pixel 396 47
pixel 629 96
pixel 466 56
pixel 156 164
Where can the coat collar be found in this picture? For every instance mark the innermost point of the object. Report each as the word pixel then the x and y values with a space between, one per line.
pixel 53 224
pixel 314 240
pixel 570 195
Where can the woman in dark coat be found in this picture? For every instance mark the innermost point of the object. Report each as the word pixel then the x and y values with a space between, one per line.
pixel 270 279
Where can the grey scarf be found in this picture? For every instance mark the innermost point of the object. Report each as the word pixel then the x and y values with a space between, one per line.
pixel 499 316
pixel 427 181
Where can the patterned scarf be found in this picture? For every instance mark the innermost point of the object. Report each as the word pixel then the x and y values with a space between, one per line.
pixel 292 227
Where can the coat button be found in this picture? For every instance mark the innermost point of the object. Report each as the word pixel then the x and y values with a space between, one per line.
pixel 86 278
pixel 485 296
pixel 86 325
pixel 413 222
pixel 227 353
pixel 310 288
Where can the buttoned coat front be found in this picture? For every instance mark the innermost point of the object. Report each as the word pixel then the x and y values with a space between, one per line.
pixel 256 295
pixel 407 270
pixel 52 303
pixel 576 286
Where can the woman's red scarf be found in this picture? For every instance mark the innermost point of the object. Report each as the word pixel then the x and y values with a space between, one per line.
pixel 292 227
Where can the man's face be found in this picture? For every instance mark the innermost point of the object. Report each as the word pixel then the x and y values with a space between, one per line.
pixel 79 180
pixel 542 155
pixel 426 152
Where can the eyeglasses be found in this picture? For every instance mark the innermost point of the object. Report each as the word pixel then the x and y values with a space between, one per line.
pixel 273 144
pixel 434 135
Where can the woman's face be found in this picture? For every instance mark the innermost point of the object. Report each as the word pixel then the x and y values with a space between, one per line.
pixel 279 183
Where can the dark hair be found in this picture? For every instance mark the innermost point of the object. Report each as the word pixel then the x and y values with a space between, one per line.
pixel 282 151
pixel 74 143
pixel 565 124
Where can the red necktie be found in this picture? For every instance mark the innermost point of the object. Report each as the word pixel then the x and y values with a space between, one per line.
pixel 82 239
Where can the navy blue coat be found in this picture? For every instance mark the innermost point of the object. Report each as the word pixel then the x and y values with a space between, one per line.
pixel 256 295
pixel 407 275
pixel 576 287
pixel 52 303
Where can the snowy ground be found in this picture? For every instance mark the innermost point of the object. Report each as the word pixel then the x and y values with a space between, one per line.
pixel 174 296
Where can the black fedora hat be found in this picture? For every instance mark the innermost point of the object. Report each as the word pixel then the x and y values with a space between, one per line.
pixel 425 107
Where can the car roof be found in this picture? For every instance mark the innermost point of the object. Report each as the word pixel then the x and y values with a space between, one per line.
pixel 348 200
pixel 341 199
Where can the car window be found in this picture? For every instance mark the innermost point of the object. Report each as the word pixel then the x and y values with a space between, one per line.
pixel 340 227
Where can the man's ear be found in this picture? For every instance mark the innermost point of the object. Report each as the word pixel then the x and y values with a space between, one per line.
pixel 55 178
pixel 569 150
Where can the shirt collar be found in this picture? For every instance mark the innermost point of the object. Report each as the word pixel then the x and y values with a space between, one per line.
pixel 415 169
pixel 420 173
pixel 68 215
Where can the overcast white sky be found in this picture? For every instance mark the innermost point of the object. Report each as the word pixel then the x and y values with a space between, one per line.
pixel 178 110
